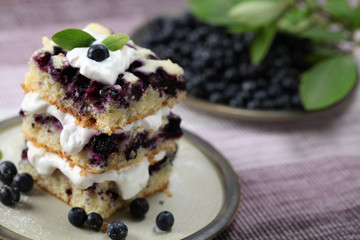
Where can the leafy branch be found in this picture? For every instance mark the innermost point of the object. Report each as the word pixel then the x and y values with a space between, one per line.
pixel 333 72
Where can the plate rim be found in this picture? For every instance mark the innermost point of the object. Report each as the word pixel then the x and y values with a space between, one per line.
pixel 229 179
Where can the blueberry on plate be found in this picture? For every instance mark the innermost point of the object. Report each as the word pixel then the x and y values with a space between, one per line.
pixel 7 172
pixel 165 220
pixel 23 181
pixel 117 230
pixel 94 221
pixel 98 52
pixel 139 207
pixel 77 216
pixel 9 196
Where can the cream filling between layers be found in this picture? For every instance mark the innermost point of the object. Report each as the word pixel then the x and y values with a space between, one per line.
pixel 73 137
pixel 129 180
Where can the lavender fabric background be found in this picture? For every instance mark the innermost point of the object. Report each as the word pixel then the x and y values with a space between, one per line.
pixel 300 180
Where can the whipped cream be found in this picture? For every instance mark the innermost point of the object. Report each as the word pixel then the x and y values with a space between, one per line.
pixel 129 180
pixel 105 71
pixel 73 137
pixel 118 61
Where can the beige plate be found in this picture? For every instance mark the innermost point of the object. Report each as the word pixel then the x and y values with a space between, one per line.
pixel 242 113
pixel 205 189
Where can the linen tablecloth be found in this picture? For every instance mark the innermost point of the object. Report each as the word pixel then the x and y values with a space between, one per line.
pixel 300 179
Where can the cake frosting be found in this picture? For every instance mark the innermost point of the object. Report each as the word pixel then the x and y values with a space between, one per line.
pixel 130 180
pixel 73 137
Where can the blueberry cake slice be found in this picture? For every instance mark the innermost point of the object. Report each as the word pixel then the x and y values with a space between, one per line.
pixel 128 85
pixel 94 151
pixel 102 193
pixel 98 120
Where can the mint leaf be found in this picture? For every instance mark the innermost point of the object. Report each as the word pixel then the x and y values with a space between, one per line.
pixel 257 13
pixel 115 42
pixel 212 11
pixel 327 82
pixel 72 38
pixel 261 43
pixel 323 34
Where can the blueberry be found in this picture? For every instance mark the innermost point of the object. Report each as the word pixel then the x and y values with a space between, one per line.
pixel 261 94
pixel 139 207
pixel 117 230
pixel 7 172
pixel 9 196
pixel 98 52
pixel 216 97
pixel 103 144
pixel 23 181
pixel 253 104
pixel 77 216
pixel 165 220
pixel 94 221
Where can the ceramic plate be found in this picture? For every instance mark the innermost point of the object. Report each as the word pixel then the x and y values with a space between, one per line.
pixel 242 113
pixel 204 188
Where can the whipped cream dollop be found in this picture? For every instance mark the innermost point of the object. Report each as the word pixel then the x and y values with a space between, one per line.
pixel 129 180
pixel 105 71
pixel 73 137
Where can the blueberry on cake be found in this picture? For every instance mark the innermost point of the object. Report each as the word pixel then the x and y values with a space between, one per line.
pixel 97 119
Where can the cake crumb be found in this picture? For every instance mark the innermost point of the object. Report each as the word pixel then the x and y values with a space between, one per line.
pixel 161 202
pixel 168 193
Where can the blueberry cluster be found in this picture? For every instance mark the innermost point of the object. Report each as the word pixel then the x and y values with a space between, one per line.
pixel 118 230
pixel 218 67
pixel 13 183
pixel 77 217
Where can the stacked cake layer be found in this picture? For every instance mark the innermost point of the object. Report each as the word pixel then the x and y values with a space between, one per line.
pixel 100 133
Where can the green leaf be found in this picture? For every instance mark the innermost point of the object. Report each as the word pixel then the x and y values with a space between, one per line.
pixel 257 13
pixel 321 53
pixel 323 34
pixel 327 82
pixel 239 29
pixel 311 3
pixel 295 20
pixel 115 42
pixel 1 155
pixel 212 11
pixel 261 43
pixel 356 17
pixel 72 38
pixel 340 9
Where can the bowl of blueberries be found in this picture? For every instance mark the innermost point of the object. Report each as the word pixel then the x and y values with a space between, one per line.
pixel 221 76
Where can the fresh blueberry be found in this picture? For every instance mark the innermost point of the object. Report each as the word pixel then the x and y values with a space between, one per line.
pixel 77 216
pixel 94 221
pixel 139 207
pixel 23 181
pixel 98 52
pixel 9 196
pixel 7 172
pixel 253 104
pixel 117 230
pixel 165 220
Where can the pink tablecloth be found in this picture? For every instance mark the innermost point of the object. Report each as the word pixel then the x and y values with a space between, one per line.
pixel 300 180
